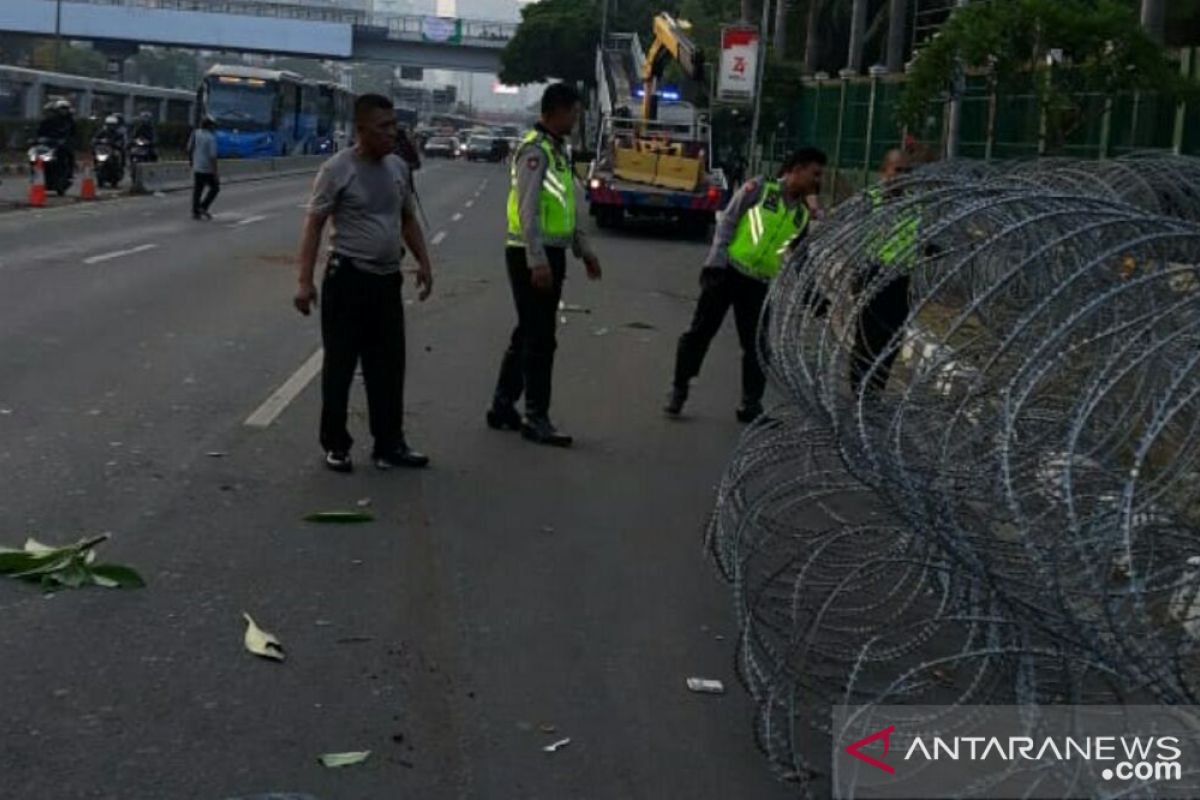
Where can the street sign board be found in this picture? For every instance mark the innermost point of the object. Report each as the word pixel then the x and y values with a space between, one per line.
pixel 739 64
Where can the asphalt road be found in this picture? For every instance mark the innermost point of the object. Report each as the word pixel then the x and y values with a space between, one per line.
pixel 507 589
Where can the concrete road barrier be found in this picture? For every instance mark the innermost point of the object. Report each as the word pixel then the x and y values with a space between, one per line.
pixel 165 176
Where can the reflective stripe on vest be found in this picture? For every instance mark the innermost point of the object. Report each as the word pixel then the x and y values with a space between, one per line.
pixel 765 232
pixel 899 245
pixel 556 205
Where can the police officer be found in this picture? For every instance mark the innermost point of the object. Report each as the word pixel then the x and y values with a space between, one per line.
pixel 763 219
pixel 891 247
pixel 541 226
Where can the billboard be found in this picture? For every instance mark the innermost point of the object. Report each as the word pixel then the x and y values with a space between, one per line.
pixel 739 64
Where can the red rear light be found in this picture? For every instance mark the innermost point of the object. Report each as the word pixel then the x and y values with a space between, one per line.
pixel 714 194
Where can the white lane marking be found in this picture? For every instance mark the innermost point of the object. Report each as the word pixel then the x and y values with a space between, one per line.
pixel 456 217
pixel 270 410
pixel 470 203
pixel 438 238
pixel 118 253
pixel 303 205
pixel 249 220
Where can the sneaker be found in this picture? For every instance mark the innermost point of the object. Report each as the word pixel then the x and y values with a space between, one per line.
pixel 403 456
pixel 749 411
pixel 675 400
pixel 542 431
pixel 502 418
pixel 339 461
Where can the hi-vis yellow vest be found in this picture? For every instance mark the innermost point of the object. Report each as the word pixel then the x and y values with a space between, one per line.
pixel 899 245
pixel 764 233
pixel 556 213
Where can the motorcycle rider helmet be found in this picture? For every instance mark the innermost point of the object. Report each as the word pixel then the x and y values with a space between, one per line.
pixel 112 121
pixel 146 117
pixel 63 107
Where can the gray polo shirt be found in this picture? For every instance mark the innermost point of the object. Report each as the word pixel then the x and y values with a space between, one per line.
pixel 367 202
pixel 204 151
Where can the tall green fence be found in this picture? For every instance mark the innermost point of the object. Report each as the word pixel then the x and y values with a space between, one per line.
pixel 854 121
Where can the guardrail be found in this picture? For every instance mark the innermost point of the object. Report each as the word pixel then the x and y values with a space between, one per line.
pixel 165 176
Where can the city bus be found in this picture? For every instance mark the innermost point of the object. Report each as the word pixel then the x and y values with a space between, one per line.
pixel 260 113
pixel 335 112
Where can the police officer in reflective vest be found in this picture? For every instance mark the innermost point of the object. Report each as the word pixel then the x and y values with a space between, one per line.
pixel 891 248
pixel 541 226
pixel 762 221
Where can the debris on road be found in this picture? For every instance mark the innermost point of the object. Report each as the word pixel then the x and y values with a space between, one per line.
pixel 364 503
pixel 261 643
pixel 559 745
pixel 335 760
pixel 547 529
pixel 355 639
pixel 215 454
pixel 71 567
pixel 571 308
pixel 705 686
pixel 641 326
pixel 600 332
pixel 548 728
pixel 340 517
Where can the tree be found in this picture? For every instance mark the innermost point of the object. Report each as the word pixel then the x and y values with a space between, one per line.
pixel 555 40
pixel 1017 42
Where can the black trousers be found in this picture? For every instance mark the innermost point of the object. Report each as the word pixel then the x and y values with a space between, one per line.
pixel 881 321
pixel 204 180
pixel 722 287
pixel 362 317
pixel 528 363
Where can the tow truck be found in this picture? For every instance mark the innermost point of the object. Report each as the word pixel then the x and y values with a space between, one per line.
pixel 653 159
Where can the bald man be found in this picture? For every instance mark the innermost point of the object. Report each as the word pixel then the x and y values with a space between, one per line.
pixel 886 312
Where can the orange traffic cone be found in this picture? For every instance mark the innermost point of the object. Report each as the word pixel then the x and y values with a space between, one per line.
pixel 87 189
pixel 37 188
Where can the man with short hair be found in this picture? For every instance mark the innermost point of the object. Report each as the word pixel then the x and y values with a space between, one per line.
pixel 542 224
pixel 893 249
pixel 202 151
pixel 763 220
pixel 367 191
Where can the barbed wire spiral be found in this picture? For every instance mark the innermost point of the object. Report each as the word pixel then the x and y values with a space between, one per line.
pixel 982 486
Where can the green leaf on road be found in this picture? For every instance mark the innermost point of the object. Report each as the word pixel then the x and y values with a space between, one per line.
pixel 340 517
pixel 260 642
pixel 334 760
pixel 71 567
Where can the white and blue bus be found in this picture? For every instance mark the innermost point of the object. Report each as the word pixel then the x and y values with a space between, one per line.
pixel 261 113
pixel 335 112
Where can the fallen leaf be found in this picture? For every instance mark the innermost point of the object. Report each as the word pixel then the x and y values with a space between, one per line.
pixel 335 760
pixel 340 517
pixel 261 643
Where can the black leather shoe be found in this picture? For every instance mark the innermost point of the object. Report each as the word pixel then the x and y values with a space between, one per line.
pixel 503 419
pixel 542 431
pixel 748 412
pixel 675 400
pixel 403 456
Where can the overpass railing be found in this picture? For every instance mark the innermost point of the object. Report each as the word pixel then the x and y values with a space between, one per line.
pixel 397 26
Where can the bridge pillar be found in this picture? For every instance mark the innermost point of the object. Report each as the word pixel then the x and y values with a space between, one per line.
pixel 85 104
pixel 35 98
pixel 117 54
pixel 162 110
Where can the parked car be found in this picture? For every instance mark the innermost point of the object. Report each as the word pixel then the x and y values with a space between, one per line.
pixel 442 147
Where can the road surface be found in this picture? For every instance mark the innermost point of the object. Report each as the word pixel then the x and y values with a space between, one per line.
pixel 509 597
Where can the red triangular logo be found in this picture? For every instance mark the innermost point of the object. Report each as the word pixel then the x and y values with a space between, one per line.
pixel 886 735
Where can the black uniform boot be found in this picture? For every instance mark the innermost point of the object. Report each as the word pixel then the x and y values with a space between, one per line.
pixel 675 400
pixel 749 410
pixel 503 418
pixel 542 431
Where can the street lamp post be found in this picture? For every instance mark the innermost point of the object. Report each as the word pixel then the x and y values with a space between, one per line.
pixel 762 69
pixel 57 34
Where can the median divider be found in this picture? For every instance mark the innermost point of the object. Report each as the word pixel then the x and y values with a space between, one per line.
pixel 165 176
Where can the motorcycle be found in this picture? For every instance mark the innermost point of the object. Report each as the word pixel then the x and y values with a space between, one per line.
pixel 142 151
pixel 110 166
pixel 56 161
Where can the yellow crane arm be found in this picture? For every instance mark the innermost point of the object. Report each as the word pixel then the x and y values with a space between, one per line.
pixel 670 39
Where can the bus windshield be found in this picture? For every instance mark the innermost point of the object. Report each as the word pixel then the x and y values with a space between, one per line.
pixel 241 105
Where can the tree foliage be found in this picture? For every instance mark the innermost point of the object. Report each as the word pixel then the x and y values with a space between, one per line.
pixel 1102 46
pixel 555 40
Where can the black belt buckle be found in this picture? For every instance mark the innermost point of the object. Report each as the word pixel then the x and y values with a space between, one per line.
pixel 335 263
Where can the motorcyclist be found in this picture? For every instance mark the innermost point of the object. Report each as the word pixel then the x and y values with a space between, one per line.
pixel 111 134
pixel 144 129
pixel 58 126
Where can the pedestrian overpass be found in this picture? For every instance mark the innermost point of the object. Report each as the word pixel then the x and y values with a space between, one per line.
pixel 119 26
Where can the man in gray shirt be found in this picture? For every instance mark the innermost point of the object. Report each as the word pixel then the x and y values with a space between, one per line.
pixel 367 190
pixel 202 150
